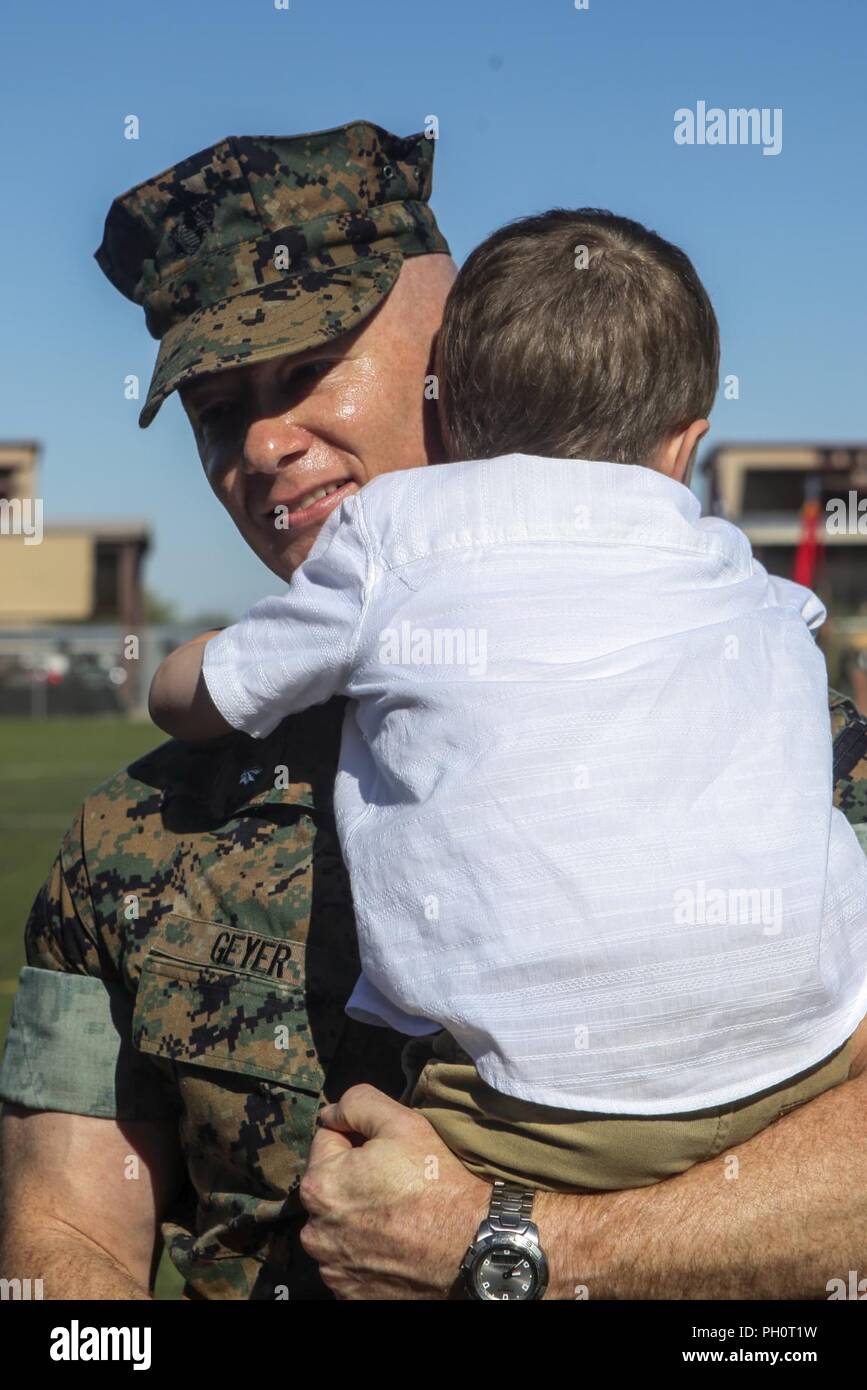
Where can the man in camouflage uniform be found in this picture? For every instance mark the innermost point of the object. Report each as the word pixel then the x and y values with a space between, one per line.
pixel 179 1024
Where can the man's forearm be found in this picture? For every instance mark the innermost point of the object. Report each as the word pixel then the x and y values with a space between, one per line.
pixel 775 1218
pixel 69 1264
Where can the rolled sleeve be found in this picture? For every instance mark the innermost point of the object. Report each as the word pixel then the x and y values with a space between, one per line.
pixel 68 1049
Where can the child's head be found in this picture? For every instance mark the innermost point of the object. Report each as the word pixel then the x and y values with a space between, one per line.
pixel 578 335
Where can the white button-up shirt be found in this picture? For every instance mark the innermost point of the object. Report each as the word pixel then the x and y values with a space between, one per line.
pixel 585 786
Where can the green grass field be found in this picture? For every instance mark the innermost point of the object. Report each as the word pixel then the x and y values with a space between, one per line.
pixel 46 768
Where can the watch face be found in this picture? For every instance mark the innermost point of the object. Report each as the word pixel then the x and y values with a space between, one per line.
pixel 505 1271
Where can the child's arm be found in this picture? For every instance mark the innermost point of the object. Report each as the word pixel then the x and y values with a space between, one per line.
pixel 285 654
pixel 179 702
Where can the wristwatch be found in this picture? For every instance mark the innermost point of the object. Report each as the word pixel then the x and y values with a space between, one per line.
pixel 505 1259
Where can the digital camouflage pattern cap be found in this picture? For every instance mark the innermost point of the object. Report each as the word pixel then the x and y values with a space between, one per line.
pixel 263 245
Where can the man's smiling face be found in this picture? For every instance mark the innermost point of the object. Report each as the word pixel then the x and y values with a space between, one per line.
pixel 283 442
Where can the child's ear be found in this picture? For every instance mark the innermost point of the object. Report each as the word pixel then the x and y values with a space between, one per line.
pixel 676 456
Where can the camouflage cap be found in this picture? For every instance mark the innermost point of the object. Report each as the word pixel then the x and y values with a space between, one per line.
pixel 263 245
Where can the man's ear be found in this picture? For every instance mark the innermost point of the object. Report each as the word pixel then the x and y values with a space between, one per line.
pixel 676 456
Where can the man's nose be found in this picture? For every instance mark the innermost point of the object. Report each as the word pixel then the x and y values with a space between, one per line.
pixel 272 442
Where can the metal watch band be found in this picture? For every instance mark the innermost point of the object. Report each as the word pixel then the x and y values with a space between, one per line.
pixel 511 1207
pixel 508 1224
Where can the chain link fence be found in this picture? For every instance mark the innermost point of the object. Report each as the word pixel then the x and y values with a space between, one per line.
pixel 81 670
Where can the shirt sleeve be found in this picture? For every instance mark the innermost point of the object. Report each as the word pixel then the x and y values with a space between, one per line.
pixel 295 650
pixel 69 1042
pixel 791 595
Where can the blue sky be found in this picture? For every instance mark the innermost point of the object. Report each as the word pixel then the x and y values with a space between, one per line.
pixel 539 105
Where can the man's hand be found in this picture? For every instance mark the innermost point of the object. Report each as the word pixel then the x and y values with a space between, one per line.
pixel 392 1216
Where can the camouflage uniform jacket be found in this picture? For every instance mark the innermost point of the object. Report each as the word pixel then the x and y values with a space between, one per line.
pixel 200 905
pixel 211 912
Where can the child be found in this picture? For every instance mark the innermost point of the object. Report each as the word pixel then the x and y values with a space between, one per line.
pixel 584 791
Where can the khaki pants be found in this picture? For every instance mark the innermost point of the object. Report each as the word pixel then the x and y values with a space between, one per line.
pixel 498 1136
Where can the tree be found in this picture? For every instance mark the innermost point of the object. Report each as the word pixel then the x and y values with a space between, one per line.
pixel 158 610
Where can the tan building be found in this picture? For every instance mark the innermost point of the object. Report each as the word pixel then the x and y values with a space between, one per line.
pixel 763 487
pixel 63 571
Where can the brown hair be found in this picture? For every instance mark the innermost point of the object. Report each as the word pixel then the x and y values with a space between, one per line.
pixel 539 356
